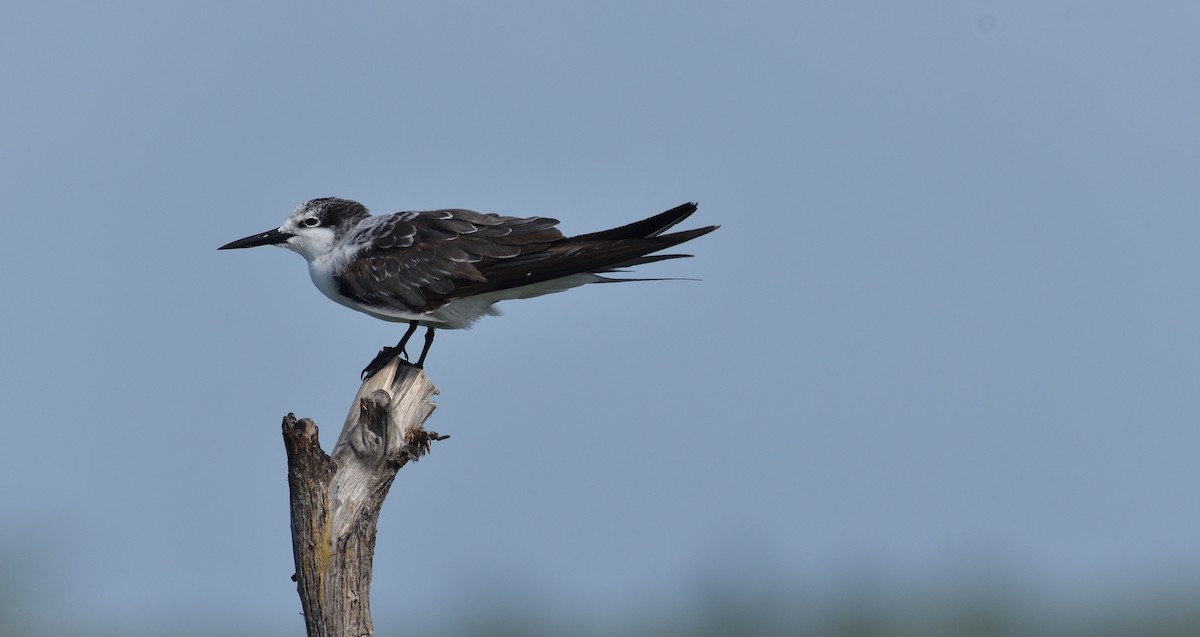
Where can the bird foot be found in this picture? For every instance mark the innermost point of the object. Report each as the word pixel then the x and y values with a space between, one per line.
pixel 384 357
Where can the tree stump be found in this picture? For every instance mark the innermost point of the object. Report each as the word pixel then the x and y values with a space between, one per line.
pixel 336 498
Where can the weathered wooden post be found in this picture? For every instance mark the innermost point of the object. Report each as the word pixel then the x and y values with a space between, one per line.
pixel 336 498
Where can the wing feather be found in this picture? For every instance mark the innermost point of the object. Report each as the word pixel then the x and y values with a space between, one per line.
pixel 416 262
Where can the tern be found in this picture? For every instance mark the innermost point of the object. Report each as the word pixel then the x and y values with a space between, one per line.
pixel 445 269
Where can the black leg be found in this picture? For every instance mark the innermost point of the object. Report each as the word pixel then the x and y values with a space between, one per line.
pixel 386 354
pixel 412 328
pixel 425 350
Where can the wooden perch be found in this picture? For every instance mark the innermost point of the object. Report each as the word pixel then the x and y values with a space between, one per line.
pixel 336 500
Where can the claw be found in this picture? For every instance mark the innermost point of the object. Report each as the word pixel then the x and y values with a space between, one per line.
pixel 386 354
pixel 381 360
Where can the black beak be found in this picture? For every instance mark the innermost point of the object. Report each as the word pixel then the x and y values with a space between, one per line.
pixel 270 237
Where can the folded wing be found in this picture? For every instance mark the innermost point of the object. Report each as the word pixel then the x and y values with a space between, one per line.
pixel 419 261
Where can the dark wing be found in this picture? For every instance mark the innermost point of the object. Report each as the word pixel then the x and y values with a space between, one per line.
pixel 572 256
pixel 415 261
pixel 645 228
pixel 595 252
pixel 418 262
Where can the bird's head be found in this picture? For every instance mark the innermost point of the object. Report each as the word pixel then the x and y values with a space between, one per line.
pixel 312 230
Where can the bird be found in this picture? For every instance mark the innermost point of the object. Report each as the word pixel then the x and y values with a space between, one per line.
pixel 445 269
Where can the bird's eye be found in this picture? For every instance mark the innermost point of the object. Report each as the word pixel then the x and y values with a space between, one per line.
pixel 311 222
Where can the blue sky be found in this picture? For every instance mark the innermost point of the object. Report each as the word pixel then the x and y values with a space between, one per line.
pixel 947 325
